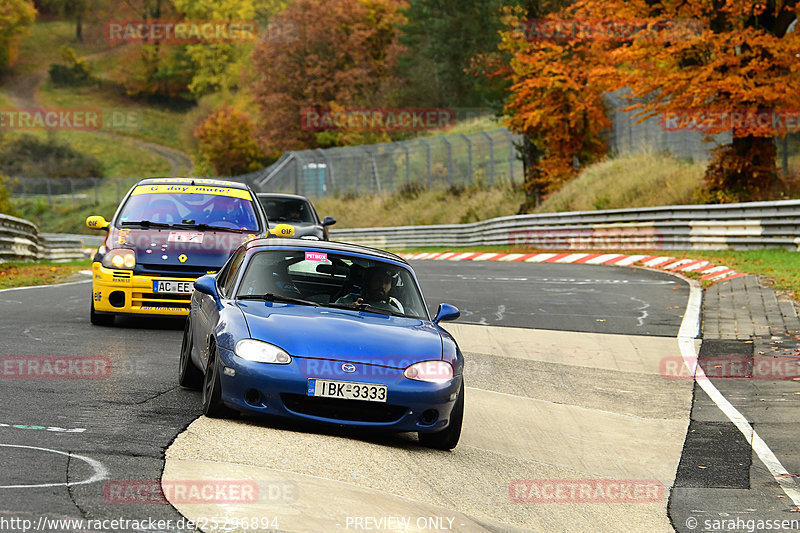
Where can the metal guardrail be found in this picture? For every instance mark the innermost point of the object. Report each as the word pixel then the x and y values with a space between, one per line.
pixel 55 247
pixel 701 227
pixel 710 227
pixel 20 240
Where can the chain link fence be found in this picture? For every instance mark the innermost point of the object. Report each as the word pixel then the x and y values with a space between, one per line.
pixel 70 190
pixel 487 158
pixel 629 135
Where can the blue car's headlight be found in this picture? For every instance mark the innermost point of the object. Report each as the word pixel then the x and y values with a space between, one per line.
pixel 431 371
pixel 261 352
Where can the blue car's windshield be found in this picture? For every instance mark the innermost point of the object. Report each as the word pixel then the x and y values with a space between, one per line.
pixel 333 280
pixel 229 211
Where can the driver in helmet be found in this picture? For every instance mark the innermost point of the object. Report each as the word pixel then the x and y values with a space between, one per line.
pixel 375 291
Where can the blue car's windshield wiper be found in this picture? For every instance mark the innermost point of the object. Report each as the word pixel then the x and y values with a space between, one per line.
pixel 270 297
pixel 145 224
pixel 366 307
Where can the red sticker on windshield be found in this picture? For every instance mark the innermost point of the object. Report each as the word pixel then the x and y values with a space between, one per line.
pixel 317 256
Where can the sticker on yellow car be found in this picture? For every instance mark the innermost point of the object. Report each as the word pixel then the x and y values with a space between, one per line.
pixel 186 236
pixel 192 189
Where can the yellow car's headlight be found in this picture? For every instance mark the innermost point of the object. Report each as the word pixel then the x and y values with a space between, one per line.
pixel 121 258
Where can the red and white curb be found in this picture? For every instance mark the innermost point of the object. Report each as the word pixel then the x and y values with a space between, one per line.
pixel 709 272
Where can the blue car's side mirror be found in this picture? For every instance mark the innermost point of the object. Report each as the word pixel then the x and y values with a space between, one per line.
pixel 207 285
pixel 446 312
pixel 328 221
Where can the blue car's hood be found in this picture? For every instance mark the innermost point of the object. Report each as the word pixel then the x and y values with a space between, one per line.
pixel 343 335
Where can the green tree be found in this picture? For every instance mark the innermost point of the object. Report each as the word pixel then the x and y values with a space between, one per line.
pixel 15 18
pixel 6 207
pixel 443 37
pixel 154 68
pixel 227 143
pixel 75 10
pixel 737 57
pixel 219 65
pixel 344 55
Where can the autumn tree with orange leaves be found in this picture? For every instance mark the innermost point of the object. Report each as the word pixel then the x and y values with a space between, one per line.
pixel 708 65
pixel 555 103
pixel 343 55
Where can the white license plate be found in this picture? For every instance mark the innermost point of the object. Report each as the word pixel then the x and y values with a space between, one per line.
pixel 347 390
pixel 173 286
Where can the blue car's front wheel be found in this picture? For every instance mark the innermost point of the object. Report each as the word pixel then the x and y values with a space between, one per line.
pixel 189 376
pixel 212 389
pixel 447 438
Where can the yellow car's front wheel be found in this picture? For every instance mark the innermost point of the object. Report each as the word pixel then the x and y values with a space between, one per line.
pixel 100 320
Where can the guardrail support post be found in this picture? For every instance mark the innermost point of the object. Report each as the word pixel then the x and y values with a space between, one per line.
pixel 49 198
pixel 491 157
pixel 392 166
pixel 374 168
pixel 511 154
pixel 449 160
pixel 785 155
pixel 427 160
pixel 469 157
pixel 408 162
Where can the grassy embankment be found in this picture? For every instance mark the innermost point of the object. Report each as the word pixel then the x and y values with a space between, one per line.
pixel 22 274
pixel 629 181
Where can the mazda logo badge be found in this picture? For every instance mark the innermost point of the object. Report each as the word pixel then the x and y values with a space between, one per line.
pixel 349 368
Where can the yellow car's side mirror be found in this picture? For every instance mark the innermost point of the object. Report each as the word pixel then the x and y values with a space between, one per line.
pixel 282 230
pixel 96 222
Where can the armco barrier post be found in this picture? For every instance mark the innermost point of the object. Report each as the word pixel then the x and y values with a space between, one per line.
pixel 491 157
pixel 469 158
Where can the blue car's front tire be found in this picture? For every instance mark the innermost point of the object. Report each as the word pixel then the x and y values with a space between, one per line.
pixel 447 439
pixel 189 376
pixel 212 389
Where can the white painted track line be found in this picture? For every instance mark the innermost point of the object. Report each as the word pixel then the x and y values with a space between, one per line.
pixel 43 286
pixel 690 327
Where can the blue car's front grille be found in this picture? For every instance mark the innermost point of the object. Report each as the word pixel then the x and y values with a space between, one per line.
pixel 345 410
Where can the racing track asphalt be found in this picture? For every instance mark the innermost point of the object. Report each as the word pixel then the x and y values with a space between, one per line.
pixel 582 400
pixel 123 421
pixel 128 419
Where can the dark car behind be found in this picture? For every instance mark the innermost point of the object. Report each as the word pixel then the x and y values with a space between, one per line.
pixel 297 211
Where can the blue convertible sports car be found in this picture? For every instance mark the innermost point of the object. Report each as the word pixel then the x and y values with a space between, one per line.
pixel 328 332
